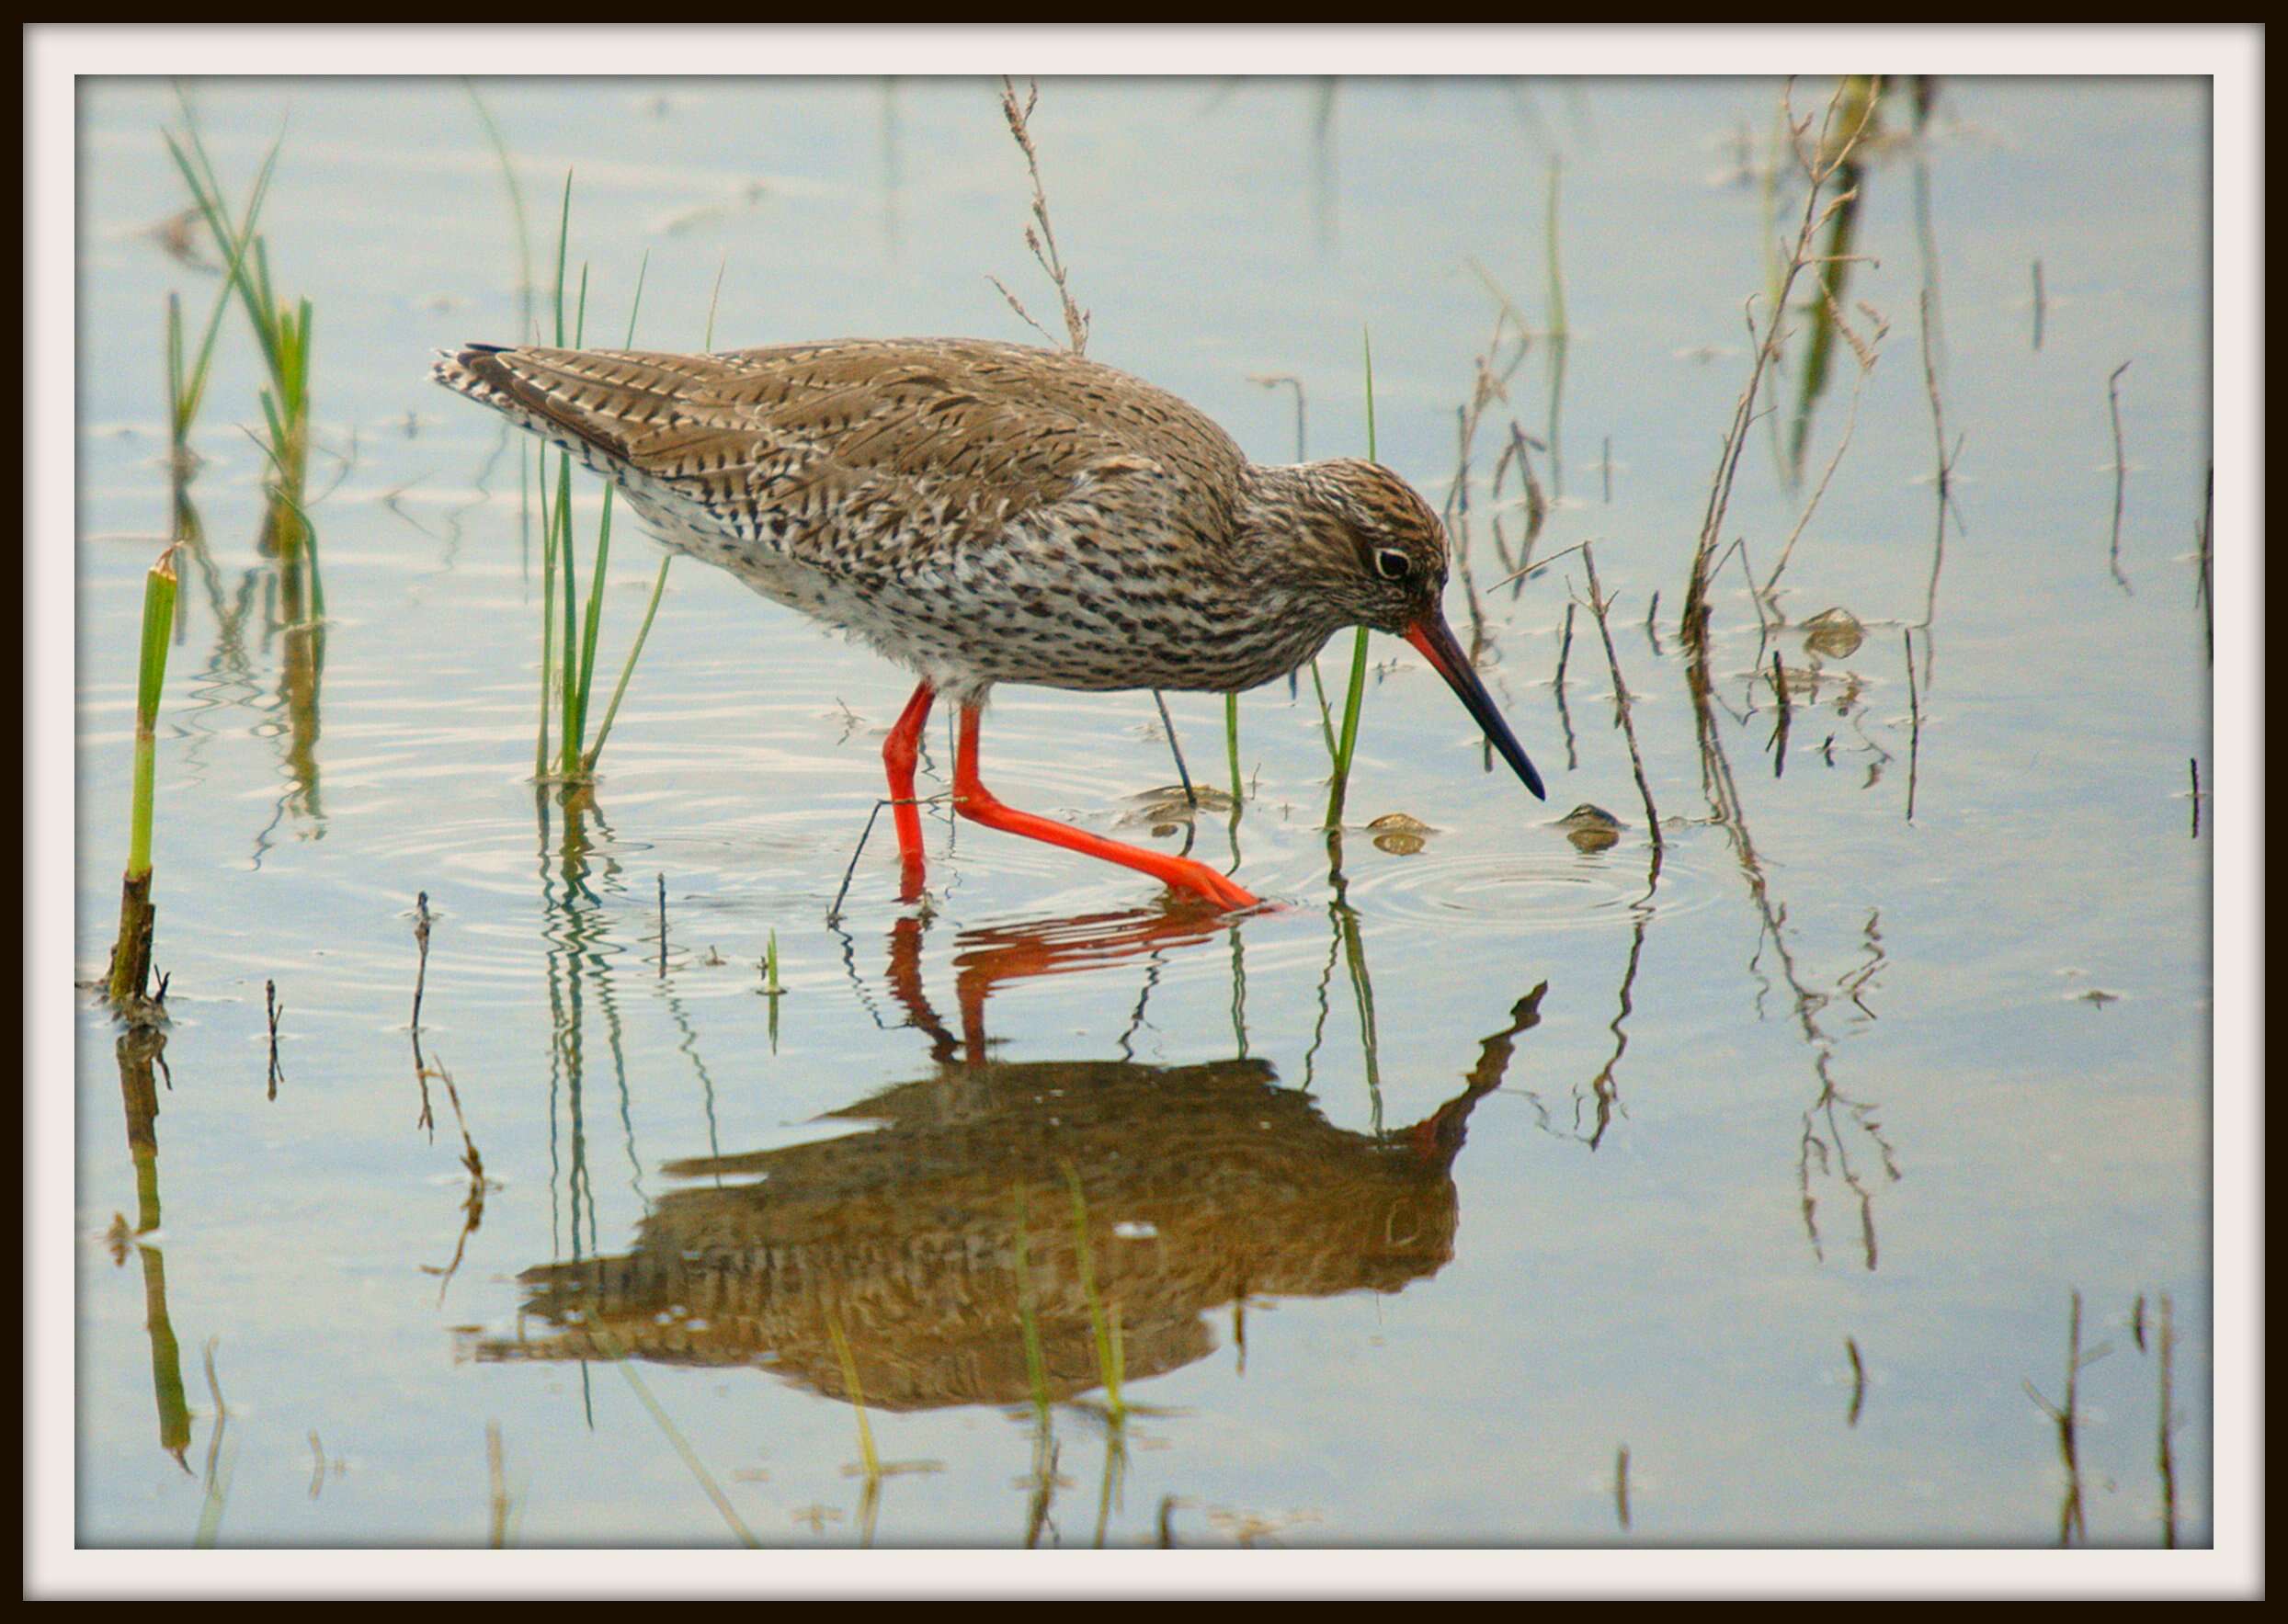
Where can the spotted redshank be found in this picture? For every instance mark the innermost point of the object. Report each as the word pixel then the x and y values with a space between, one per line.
pixel 984 513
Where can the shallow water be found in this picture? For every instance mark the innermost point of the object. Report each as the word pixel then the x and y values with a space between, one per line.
pixel 1494 1191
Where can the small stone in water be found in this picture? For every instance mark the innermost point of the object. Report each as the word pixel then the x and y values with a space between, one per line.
pixel 1400 835
pixel 1591 827
pixel 1835 633
pixel 1166 808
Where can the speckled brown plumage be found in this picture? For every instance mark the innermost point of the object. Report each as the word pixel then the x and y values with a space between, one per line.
pixel 982 512
pixel 986 513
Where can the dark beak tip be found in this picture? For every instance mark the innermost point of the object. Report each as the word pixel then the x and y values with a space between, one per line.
pixel 1437 643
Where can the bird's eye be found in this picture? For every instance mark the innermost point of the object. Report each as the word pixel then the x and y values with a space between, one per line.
pixel 1392 564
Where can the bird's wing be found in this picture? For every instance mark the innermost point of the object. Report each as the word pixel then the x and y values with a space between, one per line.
pixel 829 452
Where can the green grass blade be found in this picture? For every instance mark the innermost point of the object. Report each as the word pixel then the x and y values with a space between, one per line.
pixel 568 663
pixel 1231 743
pixel 712 299
pixel 1355 699
pixel 160 586
pixel 232 244
pixel 592 627
pixel 635 651
pixel 563 236
pixel 515 208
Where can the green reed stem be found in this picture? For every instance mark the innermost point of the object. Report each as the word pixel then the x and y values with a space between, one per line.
pixel 569 674
pixel 659 580
pixel 547 615
pixel 159 589
pixel 1107 1328
pixel 130 954
pixel 179 407
pixel 568 662
pixel 1231 743
pixel 516 209
pixel 1355 699
pixel 620 689
pixel 592 627
pixel 1028 1319
pixel 186 384
pixel 1558 328
pixel 283 335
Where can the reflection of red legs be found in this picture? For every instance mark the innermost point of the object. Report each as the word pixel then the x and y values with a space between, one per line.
pixel 985 959
pixel 973 801
pixel 899 752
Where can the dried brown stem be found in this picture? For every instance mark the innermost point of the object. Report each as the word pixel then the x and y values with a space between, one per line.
pixel 1820 164
pixel 1598 604
pixel 1040 237
pixel 2120 471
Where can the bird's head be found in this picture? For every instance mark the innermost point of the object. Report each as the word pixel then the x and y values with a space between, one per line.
pixel 1376 551
pixel 1372 554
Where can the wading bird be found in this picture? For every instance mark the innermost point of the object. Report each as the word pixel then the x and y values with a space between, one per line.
pixel 984 513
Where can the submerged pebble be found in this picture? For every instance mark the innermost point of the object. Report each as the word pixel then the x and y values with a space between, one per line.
pixel 1834 633
pixel 1590 828
pixel 1400 835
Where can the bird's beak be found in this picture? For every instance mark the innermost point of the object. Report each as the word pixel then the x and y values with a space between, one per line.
pixel 1436 642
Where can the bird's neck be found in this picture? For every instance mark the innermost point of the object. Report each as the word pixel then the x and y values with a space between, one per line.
pixel 1286 534
pixel 1287 545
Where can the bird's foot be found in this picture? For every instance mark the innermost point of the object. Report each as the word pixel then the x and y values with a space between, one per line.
pixel 1217 888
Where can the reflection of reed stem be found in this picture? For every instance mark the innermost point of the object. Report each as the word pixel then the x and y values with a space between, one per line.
pixel 1914 736
pixel 2072 1524
pixel 2168 1452
pixel 856 1391
pixel 272 1009
pixel 218 1474
pixel 1598 603
pixel 137 1050
pixel 497 1475
pixel 620 1357
pixel 2121 470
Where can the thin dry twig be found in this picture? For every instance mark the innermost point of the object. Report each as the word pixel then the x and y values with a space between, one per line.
pixel 1820 163
pixel 1914 738
pixel 1285 381
pixel 2120 471
pixel 1040 237
pixel 1946 460
pixel 2168 1452
pixel 1865 351
pixel 1598 604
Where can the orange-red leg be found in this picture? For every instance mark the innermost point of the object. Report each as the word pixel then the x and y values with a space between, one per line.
pixel 900 750
pixel 973 801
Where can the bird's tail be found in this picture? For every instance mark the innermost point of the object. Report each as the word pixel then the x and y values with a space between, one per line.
pixel 487 374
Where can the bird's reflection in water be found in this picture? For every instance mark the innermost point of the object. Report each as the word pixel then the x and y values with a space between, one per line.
pixel 1203 1185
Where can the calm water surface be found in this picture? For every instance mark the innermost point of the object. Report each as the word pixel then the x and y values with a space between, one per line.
pixel 1490 1188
